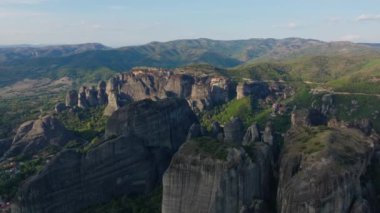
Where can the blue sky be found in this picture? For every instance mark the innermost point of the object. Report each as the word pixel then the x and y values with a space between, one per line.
pixel 127 22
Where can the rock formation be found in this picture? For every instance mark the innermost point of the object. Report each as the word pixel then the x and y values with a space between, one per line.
pixel 234 131
pixel 142 138
pixel 252 135
pixel 72 98
pixel 102 95
pixel 261 89
pixel 82 99
pixel 201 92
pixel 322 170
pixel 223 179
pixel 92 97
pixel 33 136
pixel 112 91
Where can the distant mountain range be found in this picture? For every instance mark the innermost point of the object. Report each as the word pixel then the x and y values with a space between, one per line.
pixel 77 60
pixel 17 52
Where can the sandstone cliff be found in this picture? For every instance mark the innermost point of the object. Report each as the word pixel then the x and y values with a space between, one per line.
pixel 141 141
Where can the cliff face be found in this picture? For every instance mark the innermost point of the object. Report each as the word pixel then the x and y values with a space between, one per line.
pixel 206 179
pixel 322 170
pixel 201 91
pixel 144 137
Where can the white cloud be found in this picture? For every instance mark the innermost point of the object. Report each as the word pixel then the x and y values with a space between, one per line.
pixel 350 37
pixel 368 17
pixel 291 26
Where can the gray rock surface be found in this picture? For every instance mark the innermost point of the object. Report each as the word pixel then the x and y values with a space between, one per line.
pixel 142 139
pixel 33 136
pixel 92 97
pixel 234 131
pixel 150 83
pixel 199 181
pixel 268 134
pixel 72 98
pixel 252 135
pixel 192 184
pixel 102 95
pixel 325 174
pixel 112 91
pixel 82 99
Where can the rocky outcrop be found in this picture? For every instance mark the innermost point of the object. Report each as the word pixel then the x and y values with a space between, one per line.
pixel 142 138
pixel 193 184
pixel 322 170
pixel 102 95
pixel 234 131
pixel 92 97
pixel 252 135
pixel 82 99
pixel 72 98
pixel 262 89
pixel 112 91
pixel 201 91
pixel 33 136
pixel 221 179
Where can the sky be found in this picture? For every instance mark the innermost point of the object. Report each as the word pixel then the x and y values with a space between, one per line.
pixel 131 22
